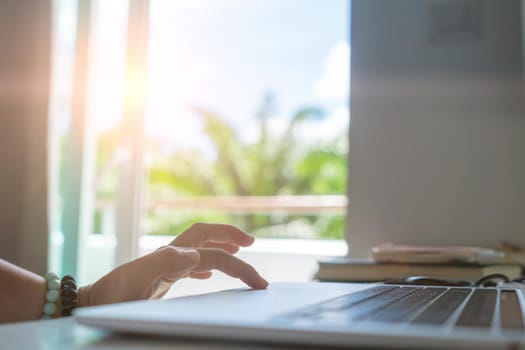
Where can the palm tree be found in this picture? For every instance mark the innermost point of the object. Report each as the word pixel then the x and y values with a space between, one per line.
pixel 272 165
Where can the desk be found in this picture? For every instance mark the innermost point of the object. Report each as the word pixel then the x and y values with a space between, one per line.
pixel 65 334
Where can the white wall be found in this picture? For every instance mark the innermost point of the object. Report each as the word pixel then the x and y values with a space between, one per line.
pixel 523 36
pixel 24 91
pixel 437 135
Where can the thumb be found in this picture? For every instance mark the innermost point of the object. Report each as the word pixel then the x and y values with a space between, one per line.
pixel 133 280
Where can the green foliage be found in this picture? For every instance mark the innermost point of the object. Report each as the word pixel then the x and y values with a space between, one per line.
pixel 321 171
pixel 183 173
pixel 272 165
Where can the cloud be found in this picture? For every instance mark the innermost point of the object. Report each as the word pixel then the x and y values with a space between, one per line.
pixel 334 83
pixel 326 129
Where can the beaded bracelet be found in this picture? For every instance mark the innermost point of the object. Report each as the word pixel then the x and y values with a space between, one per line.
pixel 68 291
pixel 52 294
pixel 65 289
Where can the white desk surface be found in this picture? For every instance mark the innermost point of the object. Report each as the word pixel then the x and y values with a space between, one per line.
pixel 62 334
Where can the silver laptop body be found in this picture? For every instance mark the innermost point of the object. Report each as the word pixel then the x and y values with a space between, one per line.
pixel 339 314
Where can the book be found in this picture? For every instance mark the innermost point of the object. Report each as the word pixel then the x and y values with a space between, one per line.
pixel 398 253
pixel 354 270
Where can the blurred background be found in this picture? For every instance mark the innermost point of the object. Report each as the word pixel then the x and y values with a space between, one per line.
pixel 123 122
pixel 210 111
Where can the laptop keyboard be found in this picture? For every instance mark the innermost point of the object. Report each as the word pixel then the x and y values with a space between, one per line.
pixel 436 306
pixel 479 310
pixel 440 310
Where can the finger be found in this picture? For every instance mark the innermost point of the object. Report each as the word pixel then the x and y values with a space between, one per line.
pixel 200 275
pixel 221 260
pixel 229 247
pixel 165 262
pixel 201 233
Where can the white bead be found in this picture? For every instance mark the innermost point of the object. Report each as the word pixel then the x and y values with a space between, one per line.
pixel 52 296
pixel 50 276
pixel 53 284
pixel 50 308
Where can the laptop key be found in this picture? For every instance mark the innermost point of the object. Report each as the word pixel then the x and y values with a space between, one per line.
pixel 405 308
pixel 440 310
pixel 510 311
pixel 318 311
pixel 361 307
pixel 371 306
pixel 479 310
pixel 354 298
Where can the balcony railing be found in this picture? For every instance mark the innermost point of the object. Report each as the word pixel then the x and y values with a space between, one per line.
pixel 257 204
pixel 301 204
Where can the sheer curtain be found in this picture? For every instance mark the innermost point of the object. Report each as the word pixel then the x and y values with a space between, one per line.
pixel 98 79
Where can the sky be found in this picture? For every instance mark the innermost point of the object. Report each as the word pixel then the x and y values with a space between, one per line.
pixel 227 55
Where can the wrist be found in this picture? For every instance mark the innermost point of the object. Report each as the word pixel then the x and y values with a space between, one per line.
pixel 84 293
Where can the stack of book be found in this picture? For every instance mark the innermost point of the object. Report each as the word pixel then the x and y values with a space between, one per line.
pixel 392 262
pixel 352 270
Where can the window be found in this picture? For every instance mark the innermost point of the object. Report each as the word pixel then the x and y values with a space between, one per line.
pixel 247 116
pixel 245 121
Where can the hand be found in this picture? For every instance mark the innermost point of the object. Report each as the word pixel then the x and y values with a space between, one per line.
pixel 194 253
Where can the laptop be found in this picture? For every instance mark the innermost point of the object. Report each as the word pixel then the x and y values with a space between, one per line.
pixel 333 314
